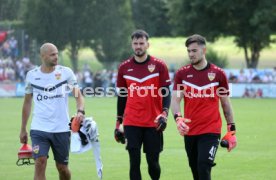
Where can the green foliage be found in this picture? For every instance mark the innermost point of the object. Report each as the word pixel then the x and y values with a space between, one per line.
pixel 213 57
pixel 15 24
pixel 65 23
pixel 9 10
pixel 112 30
pixel 254 158
pixel 101 24
pixel 151 15
pixel 251 22
pixel 86 57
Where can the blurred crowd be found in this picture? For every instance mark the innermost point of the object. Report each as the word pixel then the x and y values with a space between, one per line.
pixel 251 75
pixel 102 78
pixel 13 68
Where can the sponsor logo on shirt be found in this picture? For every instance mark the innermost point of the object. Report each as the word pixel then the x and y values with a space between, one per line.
pixel 129 70
pixel 132 87
pixel 151 67
pixel 37 78
pixel 189 76
pixel 199 95
pixel 41 97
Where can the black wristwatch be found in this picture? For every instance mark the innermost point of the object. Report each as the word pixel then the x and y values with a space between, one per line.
pixel 81 111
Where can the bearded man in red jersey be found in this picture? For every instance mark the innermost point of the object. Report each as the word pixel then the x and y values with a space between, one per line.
pixel 143 103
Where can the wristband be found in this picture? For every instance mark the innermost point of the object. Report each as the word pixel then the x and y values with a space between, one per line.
pixel 176 115
pixel 165 110
pixel 120 119
pixel 231 127
pixel 81 111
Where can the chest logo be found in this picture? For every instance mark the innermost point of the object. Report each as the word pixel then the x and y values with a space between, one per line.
pixel 211 76
pixel 58 76
pixel 151 67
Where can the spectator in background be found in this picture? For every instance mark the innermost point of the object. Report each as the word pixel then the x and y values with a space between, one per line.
pixel 97 82
pixel 20 70
pixel 13 47
pixel 2 71
pixel 113 81
pixel 105 77
pixel 259 93
pixel 273 74
pixel 232 78
pixel 6 51
pixel 87 78
pixel 26 45
pixel 267 77
pixel 242 77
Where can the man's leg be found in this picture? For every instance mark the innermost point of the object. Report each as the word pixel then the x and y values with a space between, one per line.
pixel 134 143
pixel 135 161
pixel 64 172
pixel 153 165
pixel 40 146
pixel 60 147
pixel 191 150
pixel 40 168
pixel 207 148
pixel 153 146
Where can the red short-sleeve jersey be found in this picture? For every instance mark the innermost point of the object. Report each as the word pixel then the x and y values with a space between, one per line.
pixel 143 82
pixel 202 90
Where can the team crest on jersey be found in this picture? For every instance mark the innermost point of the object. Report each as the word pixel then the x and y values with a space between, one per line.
pixel 151 67
pixel 211 76
pixel 58 75
pixel 36 149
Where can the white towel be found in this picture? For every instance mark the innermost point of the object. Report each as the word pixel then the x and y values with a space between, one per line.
pixel 90 129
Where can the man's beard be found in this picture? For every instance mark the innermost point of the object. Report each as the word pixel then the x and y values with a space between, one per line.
pixel 196 62
pixel 140 54
pixel 52 64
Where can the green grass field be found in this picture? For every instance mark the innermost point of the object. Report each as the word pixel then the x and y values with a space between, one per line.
pixel 253 159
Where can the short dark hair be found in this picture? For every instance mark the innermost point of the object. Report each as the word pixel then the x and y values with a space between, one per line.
pixel 139 33
pixel 200 40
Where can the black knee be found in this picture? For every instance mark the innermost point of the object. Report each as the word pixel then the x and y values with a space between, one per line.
pixel 204 170
pixel 135 160
pixel 153 165
pixel 193 166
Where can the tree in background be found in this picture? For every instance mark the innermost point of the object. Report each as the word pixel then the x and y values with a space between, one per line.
pixel 113 27
pixel 151 15
pixel 218 59
pixel 9 10
pixel 101 24
pixel 251 22
pixel 62 22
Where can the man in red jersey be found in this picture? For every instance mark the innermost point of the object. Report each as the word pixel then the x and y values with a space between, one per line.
pixel 142 107
pixel 202 85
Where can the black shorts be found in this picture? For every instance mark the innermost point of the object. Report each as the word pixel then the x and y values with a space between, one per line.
pixel 148 136
pixel 202 148
pixel 59 142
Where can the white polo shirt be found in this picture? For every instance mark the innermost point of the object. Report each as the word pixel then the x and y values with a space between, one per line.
pixel 50 96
